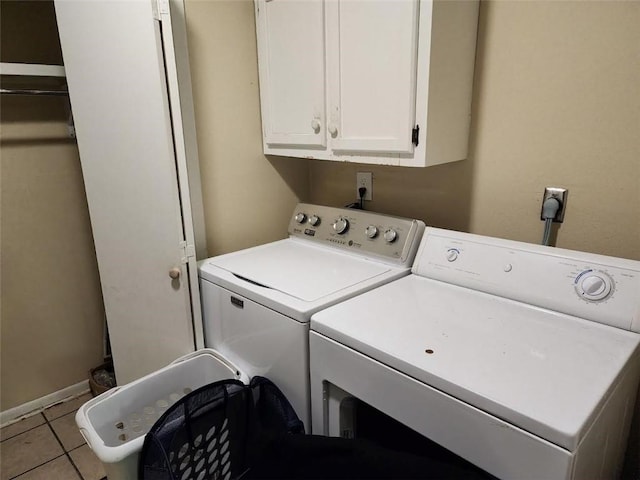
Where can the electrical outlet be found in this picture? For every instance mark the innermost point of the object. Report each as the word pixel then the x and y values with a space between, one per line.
pixel 559 194
pixel 364 179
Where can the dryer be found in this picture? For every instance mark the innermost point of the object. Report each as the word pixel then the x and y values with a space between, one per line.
pixel 522 359
pixel 257 302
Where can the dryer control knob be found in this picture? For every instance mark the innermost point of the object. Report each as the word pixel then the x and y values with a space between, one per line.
pixel 371 231
pixel 594 286
pixel 341 225
pixel 300 217
pixel 314 220
pixel 452 255
pixel 390 235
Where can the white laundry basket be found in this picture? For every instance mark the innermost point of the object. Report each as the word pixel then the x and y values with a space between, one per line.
pixel 115 423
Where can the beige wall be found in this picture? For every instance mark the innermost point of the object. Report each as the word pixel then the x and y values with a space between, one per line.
pixel 556 103
pixel 51 315
pixel 244 193
pixel 52 312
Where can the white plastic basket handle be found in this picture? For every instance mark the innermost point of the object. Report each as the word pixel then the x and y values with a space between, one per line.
pixel 86 439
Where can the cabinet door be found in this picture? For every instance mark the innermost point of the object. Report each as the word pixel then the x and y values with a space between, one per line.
pixel 291 52
pixel 115 69
pixel 372 51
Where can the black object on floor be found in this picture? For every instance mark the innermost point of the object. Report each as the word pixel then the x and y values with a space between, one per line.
pixel 228 431
pixel 318 457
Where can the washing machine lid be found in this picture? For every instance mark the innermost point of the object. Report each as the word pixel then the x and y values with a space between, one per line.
pixel 300 270
pixel 544 372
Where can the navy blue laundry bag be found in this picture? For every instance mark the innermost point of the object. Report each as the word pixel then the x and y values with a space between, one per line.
pixel 216 431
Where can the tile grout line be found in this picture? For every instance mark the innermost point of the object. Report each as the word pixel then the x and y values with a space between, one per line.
pixel 44 463
pixel 25 431
pixel 64 449
pixel 66 453
pixel 37 466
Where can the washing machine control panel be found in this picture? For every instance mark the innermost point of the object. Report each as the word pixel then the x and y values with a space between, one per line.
pixel 596 287
pixel 383 237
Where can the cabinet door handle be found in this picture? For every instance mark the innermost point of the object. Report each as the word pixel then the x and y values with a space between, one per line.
pixel 174 273
pixel 315 125
pixel 333 130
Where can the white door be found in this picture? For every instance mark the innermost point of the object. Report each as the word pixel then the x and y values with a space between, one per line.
pixel 372 53
pixel 292 74
pixel 114 60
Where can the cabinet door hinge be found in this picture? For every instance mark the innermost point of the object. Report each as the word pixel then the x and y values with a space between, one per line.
pixel 187 251
pixel 414 135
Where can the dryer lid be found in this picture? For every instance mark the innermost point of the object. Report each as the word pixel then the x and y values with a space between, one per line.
pixel 544 372
pixel 306 272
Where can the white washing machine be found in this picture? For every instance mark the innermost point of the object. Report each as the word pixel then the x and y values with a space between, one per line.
pixel 521 359
pixel 257 302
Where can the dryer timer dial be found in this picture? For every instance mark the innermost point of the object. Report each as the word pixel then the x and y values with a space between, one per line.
pixel 593 285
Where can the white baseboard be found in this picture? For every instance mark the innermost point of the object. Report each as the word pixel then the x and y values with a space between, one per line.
pixel 39 404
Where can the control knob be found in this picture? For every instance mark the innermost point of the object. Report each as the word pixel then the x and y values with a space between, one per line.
pixel 371 231
pixel 314 220
pixel 452 255
pixel 300 217
pixel 390 235
pixel 341 225
pixel 594 286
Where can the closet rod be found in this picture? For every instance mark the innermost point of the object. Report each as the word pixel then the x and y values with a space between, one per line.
pixel 23 91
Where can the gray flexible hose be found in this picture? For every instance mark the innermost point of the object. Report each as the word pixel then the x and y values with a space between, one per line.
pixel 550 208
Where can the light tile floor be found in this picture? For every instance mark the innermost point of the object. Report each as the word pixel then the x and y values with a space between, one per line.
pixel 48 446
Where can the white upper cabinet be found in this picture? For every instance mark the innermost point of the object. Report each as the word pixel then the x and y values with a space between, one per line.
pixel 370 81
pixel 292 50
pixel 372 74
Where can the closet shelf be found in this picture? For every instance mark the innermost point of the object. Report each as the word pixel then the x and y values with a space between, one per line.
pixel 31 70
pixel 32 91
pixel 37 70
